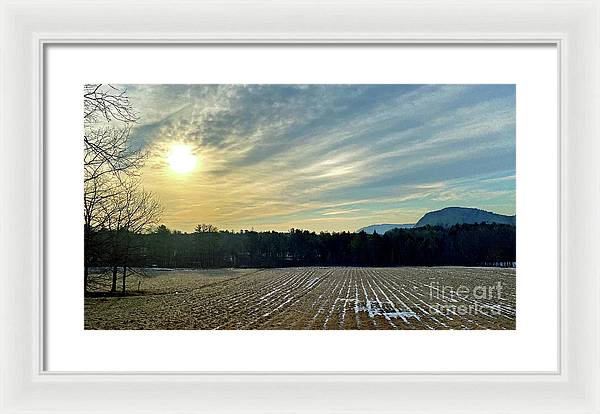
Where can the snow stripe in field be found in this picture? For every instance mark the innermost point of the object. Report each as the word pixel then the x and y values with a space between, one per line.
pixel 335 300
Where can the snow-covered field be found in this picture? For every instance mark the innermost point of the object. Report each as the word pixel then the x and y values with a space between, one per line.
pixel 313 298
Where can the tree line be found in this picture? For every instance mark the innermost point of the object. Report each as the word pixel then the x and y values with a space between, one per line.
pixel 207 247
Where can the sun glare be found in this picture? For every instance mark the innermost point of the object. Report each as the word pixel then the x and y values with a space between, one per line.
pixel 181 159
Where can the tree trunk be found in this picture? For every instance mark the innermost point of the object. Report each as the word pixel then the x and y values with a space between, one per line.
pixel 86 255
pixel 113 288
pixel 86 271
pixel 124 276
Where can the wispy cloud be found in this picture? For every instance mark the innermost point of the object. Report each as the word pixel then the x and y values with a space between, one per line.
pixel 327 156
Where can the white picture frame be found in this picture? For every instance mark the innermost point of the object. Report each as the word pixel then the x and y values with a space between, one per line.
pixel 29 26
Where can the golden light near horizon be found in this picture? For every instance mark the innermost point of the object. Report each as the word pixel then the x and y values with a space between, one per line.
pixel 181 159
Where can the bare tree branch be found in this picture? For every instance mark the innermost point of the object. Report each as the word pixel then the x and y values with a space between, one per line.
pixel 105 102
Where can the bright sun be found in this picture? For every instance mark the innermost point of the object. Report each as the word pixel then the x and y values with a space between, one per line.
pixel 181 159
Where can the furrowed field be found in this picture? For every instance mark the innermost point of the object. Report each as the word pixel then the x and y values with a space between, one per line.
pixel 311 298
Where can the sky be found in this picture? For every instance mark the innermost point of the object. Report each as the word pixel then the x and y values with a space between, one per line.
pixel 325 157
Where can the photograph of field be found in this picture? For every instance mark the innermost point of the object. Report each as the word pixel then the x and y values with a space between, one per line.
pixel 299 207
pixel 312 298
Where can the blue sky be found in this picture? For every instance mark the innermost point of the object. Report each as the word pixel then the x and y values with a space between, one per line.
pixel 327 157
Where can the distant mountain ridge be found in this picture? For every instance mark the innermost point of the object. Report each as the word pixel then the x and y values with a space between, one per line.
pixel 446 217
pixel 450 216
pixel 382 228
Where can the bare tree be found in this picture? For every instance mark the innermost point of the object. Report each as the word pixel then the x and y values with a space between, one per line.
pixel 206 242
pixel 97 193
pixel 109 158
pixel 132 211
pixel 206 228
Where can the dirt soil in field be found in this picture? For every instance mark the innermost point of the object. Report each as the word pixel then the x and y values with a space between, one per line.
pixel 310 298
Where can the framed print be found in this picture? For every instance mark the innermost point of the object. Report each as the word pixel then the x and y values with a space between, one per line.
pixel 362 153
pixel 310 208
